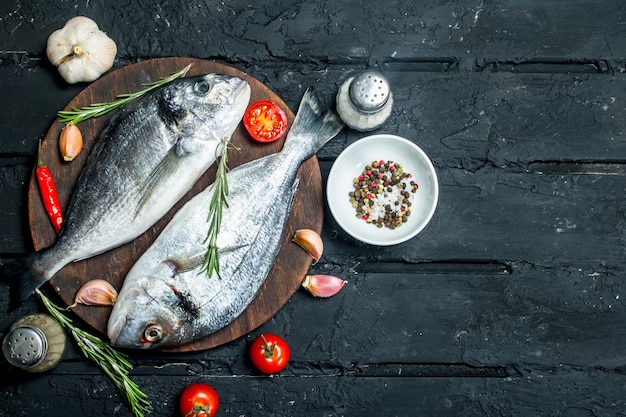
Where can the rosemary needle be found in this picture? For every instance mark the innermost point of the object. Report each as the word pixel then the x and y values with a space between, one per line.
pixel 112 362
pixel 76 116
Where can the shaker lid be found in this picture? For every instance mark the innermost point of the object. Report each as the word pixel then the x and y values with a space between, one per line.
pixel 25 346
pixel 369 91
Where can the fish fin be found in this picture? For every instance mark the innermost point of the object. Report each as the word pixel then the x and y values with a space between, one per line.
pixel 311 121
pixel 22 278
pixel 186 264
pixel 169 163
pixel 190 263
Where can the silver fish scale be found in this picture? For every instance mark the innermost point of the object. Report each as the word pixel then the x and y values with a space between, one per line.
pixel 187 305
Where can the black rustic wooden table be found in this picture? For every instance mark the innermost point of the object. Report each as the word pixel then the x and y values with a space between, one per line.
pixel 509 303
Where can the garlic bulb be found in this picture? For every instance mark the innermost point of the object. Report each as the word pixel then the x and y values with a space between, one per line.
pixel 80 50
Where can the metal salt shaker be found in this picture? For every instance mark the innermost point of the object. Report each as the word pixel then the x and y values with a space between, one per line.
pixel 35 343
pixel 364 101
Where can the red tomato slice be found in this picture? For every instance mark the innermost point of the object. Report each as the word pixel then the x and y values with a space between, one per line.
pixel 265 121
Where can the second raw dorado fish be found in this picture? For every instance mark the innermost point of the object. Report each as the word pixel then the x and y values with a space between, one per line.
pixel 166 300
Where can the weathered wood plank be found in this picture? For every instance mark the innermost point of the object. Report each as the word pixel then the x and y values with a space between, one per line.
pixel 534 218
pixel 581 392
pixel 508 120
pixel 531 318
pixel 14 175
pixel 518 277
pixel 25 112
pixel 509 31
pixel 496 215
pixel 505 132
pixel 461 119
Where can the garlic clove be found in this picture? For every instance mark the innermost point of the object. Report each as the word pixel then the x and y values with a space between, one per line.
pixel 70 142
pixel 80 50
pixel 323 286
pixel 96 292
pixel 310 241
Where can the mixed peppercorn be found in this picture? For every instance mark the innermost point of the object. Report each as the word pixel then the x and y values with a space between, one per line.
pixel 383 194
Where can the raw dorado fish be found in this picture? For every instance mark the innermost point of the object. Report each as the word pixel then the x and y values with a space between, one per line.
pixel 165 299
pixel 149 155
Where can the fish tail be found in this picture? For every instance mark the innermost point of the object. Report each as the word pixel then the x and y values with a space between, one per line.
pixel 311 121
pixel 23 278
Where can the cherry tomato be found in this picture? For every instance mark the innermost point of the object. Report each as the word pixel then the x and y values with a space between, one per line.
pixel 265 121
pixel 198 400
pixel 269 353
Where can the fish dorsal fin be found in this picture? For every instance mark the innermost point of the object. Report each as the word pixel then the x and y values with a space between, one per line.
pixel 170 163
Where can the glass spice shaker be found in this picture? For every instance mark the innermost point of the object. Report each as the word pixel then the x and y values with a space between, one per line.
pixel 35 343
pixel 364 101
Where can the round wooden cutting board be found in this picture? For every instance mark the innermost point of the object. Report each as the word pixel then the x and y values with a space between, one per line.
pixel 292 262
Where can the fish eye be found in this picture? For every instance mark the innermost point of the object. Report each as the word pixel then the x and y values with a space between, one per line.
pixel 153 333
pixel 201 88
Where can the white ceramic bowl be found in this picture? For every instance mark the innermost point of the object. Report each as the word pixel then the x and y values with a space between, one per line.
pixel 351 163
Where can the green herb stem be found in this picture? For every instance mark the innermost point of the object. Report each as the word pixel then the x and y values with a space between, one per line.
pixel 112 362
pixel 219 200
pixel 76 116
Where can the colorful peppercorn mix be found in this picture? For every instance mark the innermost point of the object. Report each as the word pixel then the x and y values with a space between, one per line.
pixel 383 194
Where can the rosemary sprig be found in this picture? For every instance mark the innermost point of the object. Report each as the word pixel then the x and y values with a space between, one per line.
pixel 219 200
pixel 76 116
pixel 113 363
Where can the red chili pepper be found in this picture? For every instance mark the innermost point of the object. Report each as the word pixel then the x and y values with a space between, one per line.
pixel 48 191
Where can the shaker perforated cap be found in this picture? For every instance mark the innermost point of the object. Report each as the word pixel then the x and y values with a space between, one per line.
pixel 25 346
pixel 369 91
